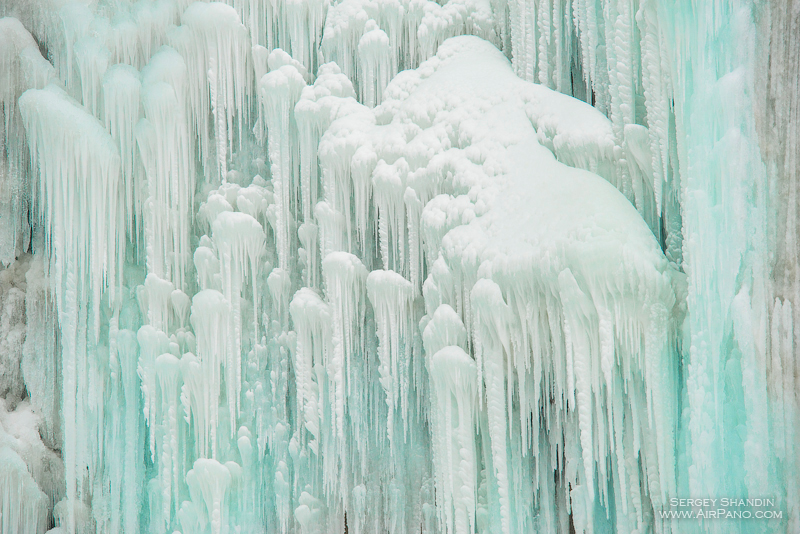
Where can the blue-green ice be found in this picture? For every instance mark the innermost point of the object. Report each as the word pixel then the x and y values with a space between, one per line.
pixel 399 266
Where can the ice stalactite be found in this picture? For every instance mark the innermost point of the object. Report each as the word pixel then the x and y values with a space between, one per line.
pixel 214 45
pixel 78 163
pixel 279 91
pixel 341 214
pixel 375 62
pixel 704 136
pixel 153 344
pixel 240 242
pixel 345 278
pixel 611 55
pixel 167 153
pixel 210 481
pixel 303 31
pixel 389 186
pixel 289 25
pixel 121 109
pixel 91 58
pixel 493 343
pixel 24 504
pixel 313 113
pixel 132 447
pixel 505 328
pixel 399 287
pixel 39 366
pixel 202 386
pixel 22 67
pixel 412 31
pixel 168 373
pixel 344 25
pixel 454 375
pixel 391 296
pixel 312 319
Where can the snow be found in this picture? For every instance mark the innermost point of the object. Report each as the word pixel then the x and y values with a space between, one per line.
pixel 458 266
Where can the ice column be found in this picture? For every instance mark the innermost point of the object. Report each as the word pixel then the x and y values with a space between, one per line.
pixel 454 378
pixel 279 91
pixel 391 296
pixel 78 164
pixel 216 48
pixel 166 150
pixel 375 55
pixel 240 242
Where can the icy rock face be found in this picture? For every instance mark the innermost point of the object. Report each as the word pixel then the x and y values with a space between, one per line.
pixel 32 474
pixel 467 266
pixel 22 67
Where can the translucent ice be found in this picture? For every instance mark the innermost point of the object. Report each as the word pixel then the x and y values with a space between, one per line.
pixel 455 266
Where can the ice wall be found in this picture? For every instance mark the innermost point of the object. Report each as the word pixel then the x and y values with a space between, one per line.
pixel 396 265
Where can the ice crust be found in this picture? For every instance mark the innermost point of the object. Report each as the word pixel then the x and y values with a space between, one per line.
pixel 469 266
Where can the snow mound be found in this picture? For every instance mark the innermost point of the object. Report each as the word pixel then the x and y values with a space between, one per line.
pixel 567 299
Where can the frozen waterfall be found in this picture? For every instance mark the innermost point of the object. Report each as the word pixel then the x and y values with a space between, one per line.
pixel 399 266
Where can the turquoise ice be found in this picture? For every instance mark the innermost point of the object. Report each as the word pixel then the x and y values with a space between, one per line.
pixel 401 266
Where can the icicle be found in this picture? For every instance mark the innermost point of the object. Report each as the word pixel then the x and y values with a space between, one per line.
pixel 656 103
pixel 541 389
pixel 78 166
pixel 168 372
pixel 390 185
pixel 212 481
pixel 375 54
pixel 391 295
pixel 121 108
pixel 24 506
pixel 40 366
pixel 240 242
pixel 209 319
pixel 216 49
pixel 311 318
pixel 345 278
pixel 491 311
pixel 152 343
pixel 344 25
pixel 132 468
pixel 279 91
pixel 92 57
pixel 166 152
pixel 159 293
pixel 454 379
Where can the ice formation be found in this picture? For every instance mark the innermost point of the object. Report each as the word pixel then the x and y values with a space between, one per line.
pixel 402 266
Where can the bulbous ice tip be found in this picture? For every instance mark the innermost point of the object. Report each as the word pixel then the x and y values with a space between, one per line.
pixel 207 306
pixel 387 284
pixel 487 296
pixel 373 44
pixel 279 58
pixel 284 83
pixel 308 307
pixel 210 15
pixel 451 364
pixel 231 228
pixel 445 328
pixel 339 262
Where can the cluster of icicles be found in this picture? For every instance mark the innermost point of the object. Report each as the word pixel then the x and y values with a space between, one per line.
pixel 273 310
